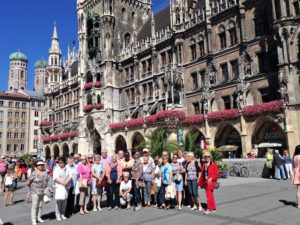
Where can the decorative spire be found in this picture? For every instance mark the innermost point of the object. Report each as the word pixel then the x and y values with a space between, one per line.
pixel 54 31
pixel 55 43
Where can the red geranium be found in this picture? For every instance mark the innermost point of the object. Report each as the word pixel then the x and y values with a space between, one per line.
pixel 98 84
pixel 135 122
pixel 196 119
pixel 117 126
pixel 45 123
pixel 54 137
pixel 87 108
pixel 170 114
pixel 152 119
pixel 98 106
pixel 264 108
pixel 228 114
pixel 46 139
pixel 73 134
pixel 88 86
pixel 64 136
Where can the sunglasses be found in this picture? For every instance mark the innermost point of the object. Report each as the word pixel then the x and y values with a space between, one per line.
pixel 206 156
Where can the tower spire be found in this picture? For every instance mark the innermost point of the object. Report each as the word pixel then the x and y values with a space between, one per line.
pixel 54 43
pixel 54 32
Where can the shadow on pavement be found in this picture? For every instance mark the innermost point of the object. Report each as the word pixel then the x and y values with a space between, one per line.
pixel 288 203
pixel 49 216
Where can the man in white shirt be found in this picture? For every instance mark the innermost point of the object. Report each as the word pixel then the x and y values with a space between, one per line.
pixel 71 170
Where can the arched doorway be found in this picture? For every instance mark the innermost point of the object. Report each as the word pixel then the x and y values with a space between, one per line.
pixel 47 153
pixel 121 144
pixel 137 141
pixel 228 135
pixel 66 150
pixel 192 141
pixel 269 133
pixel 55 151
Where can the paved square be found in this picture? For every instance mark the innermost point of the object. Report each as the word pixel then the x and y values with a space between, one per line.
pixel 240 201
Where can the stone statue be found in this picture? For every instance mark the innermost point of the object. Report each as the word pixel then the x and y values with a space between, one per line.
pixel 240 100
pixel 205 106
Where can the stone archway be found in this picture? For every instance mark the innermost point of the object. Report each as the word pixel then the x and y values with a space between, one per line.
pixel 269 132
pixel 228 135
pixel 120 144
pixel 47 152
pixel 137 140
pixel 55 151
pixel 66 150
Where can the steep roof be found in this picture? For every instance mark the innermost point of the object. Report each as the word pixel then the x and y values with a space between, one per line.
pixel 10 95
pixel 162 20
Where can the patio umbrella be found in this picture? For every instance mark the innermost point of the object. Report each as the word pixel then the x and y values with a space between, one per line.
pixel 228 148
pixel 269 145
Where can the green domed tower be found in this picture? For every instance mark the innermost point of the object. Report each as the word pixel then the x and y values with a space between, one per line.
pixel 17 71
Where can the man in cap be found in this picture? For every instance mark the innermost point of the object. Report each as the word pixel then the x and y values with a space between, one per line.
pixel 146 153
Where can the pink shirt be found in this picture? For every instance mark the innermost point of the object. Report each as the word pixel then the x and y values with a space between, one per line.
pixel 85 171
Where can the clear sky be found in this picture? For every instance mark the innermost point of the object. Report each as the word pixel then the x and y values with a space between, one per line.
pixel 27 25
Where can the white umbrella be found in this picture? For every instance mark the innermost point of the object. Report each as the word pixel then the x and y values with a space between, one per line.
pixel 269 145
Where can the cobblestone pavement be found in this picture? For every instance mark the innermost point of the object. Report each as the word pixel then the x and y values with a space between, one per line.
pixel 248 201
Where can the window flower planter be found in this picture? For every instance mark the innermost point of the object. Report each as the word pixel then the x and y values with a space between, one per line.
pixel 88 108
pixel 196 119
pixel 88 86
pixel 151 120
pixel 45 123
pixel 264 108
pixel 54 138
pixel 135 122
pixel 228 114
pixel 46 139
pixel 98 106
pixel 73 134
pixel 64 136
pixel 117 126
pixel 98 84
pixel 170 114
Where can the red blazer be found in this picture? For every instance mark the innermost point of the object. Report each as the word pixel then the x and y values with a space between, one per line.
pixel 213 172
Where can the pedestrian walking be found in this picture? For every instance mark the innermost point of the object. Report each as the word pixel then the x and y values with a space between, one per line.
pixel 296 176
pixel 288 164
pixel 38 182
pixel 279 165
pixel 9 182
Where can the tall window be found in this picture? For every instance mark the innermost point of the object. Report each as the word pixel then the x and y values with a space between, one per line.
pixel 193 49
pixel 201 46
pixel 224 69
pixel 124 15
pixel 202 76
pixel 127 40
pixel 222 37
pixel 196 107
pixel 296 8
pixel 232 33
pixel 263 62
pixel 163 58
pixel 132 73
pixel 179 53
pixel 227 102
pixel 195 81
pixel 235 69
pixel 8 147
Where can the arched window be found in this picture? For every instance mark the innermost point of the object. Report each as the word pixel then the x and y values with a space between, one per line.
pixel 124 15
pixel 193 49
pixel 22 74
pixel 222 37
pixel 232 33
pixel 127 40
pixel 98 99
pixel 37 80
pixel 177 16
pixel 46 80
pixel 201 45
pixel 89 99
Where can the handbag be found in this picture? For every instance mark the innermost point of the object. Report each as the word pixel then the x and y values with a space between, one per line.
pixel 83 184
pixel 141 183
pixel 217 185
pixel 101 183
pixel 178 177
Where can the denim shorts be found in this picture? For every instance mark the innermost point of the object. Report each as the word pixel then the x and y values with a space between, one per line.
pixel 193 188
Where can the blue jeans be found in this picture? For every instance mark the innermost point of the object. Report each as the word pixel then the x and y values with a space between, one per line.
pixel 279 171
pixel 193 188
pixel 147 191
pixel 113 190
pixel 162 192
pixel 136 193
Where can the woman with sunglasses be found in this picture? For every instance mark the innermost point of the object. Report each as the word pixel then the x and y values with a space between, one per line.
pixel 38 182
pixel 166 176
pixel 177 170
pixel 61 179
pixel 84 182
pixel 208 181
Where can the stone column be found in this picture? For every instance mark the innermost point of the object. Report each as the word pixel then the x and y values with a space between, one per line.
pixel 273 10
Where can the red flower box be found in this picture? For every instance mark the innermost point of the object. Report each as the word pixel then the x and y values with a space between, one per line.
pixel 264 108
pixel 135 122
pixel 151 119
pixel 88 108
pixel 98 84
pixel 98 106
pixel 196 119
pixel 45 123
pixel 117 126
pixel 170 114
pixel 73 134
pixel 88 86
pixel 54 138
pixel 228 114
pixel 64 136
pixel 46 139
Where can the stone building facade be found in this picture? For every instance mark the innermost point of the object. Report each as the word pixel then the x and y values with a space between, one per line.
pixel 230 66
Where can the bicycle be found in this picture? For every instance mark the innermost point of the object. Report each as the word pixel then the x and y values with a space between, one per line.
pixel 238 170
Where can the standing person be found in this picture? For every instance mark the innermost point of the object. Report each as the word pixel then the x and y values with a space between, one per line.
pixel 120 156
pixel 137 175
pixel 105 159
pixel 97 177
pixel 113 174
pixel 90 160
pixel 288 164
pixel 187 196
pixel 148 174
pixel 29 172
pixel 77 160
pixel 38 181
pixel 279 165
pixel 192 175
pixel 3 170
pixel 166 176
pixel 177 171
pixel 146 153
pixel 9 181
pixel 296 176
pixel 157 180
pixel 72 171
pixel 125 189
pixel 84 182
pixel 61 179
pixel 208 180
pixel 127 163
pixel 270 162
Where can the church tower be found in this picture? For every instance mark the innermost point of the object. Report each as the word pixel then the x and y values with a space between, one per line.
pixel 40 75
pixel 54 68
pixel 17 71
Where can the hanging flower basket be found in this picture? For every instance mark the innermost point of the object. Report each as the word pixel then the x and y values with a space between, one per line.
pixel 88 86
pixel 88 108
pixel 196 119
pixel 135 122
pixel 171 115
pixel 117 126
pixel 229 114
pixel 98 84
pixel 150 120
pixel 98 106
pixel 264 108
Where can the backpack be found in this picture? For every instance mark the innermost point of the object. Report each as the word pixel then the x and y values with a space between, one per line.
pixel 3 167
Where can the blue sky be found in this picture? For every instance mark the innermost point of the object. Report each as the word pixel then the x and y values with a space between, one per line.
pixel 27 25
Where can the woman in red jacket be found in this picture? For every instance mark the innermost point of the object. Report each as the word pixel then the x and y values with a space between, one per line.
pixel 208 180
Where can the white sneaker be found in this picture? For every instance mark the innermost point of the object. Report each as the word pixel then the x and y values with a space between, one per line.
pixel 63 217
pixel 58 219
pixel 206 212
pixel 194 208
pixel 34 223
pixel 41 220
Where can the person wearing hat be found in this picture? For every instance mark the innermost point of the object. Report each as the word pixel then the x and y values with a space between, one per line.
pixel 146 153
pixel 38 182
pixel 3 170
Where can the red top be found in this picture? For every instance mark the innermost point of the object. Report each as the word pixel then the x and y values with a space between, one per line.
pixel 212 172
